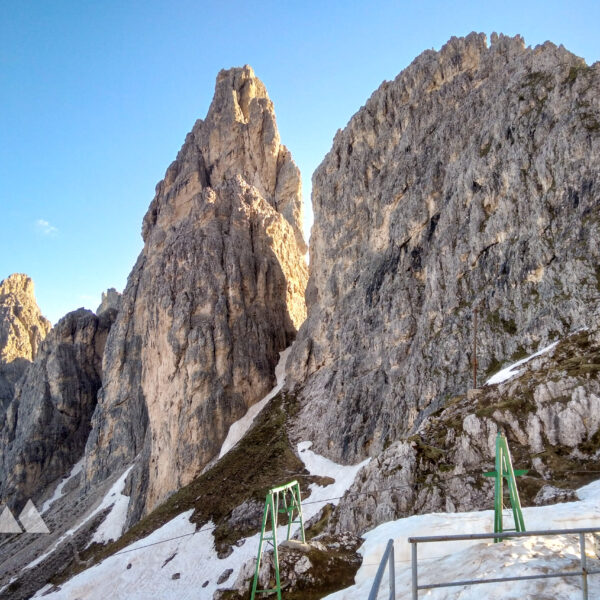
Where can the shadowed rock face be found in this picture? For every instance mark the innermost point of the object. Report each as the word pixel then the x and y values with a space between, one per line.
pixel 550 414
pixel 216 294
pixel 22 329
pixel 471 179
pixel 46 424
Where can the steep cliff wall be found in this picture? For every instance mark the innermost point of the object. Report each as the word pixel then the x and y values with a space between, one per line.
pixel 46 424
pixel 216 294
pixel 472 179
pixel 550 413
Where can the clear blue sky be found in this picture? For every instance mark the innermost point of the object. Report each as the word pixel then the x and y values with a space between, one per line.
pixel 97 97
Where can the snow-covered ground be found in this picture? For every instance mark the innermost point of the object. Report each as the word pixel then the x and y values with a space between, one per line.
pixel 114 521
pixel 176 561
pixel 112 526
pixel 187 567
pixel 238 429
pixel 513 370
pixel 58 492
pixel 453 561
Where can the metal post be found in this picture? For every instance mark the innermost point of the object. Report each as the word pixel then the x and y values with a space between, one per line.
pixel 583 566
pixel 475 348
pixel 415 591
pixel 392 574
pixel 298 501
pixel 498 492
pixel 275 497
pixel 275 510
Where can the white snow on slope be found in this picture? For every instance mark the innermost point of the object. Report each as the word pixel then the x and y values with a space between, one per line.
pixel 58 492
pixel 239 428
pixel 450 561
pixel 192 556
pixel 112 526
pixel 513 370
pixel 108 500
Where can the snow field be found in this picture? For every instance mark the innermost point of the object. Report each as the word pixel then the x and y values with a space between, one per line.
pixel 58 492
pixel 513 370
pixel 145 569
pixel 239 428
pixel 109 500
pixel 460 560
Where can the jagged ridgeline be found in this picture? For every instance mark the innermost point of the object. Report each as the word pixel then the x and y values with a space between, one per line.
pixel 472 179
pixel 216 294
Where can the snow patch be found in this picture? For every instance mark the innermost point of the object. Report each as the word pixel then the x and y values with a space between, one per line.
pixel 238 429
pixel 512 370
pixel 58 492
pixel 471 559
pixel 112 526
pixel 138 572
pixel 107 501
pixel 320 466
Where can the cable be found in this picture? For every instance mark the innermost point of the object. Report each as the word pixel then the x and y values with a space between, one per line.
pixel 376 491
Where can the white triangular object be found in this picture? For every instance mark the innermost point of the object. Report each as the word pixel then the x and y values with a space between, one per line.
pixel 31 519
pixel 8 523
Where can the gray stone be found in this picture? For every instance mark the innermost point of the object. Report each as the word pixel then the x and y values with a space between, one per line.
pixel 111 300
pixel 550 494
pixel 46 425
pixel 216 294
pixel 472 179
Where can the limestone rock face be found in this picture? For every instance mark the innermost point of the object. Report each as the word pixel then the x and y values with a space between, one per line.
pixel 550 413
pixel 472 179
pixel 111 300
pixel 22 329
pixel 22 325
pixel 216 294
pixel 46 425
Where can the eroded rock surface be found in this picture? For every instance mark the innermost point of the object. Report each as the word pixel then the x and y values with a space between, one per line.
pixel 22 325
pixel 111 300
pixel 216 294
pixel 472 179
pixel 46 424
pixel 22 329
pixel 550 413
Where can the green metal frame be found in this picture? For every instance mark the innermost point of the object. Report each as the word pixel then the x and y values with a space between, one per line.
pixel 504 470
pixel 280 500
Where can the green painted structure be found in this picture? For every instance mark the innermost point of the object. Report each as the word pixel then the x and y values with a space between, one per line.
pixel 504 470
pixel 280 500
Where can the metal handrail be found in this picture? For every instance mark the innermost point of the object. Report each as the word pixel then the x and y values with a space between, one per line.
pixel 584 572
pixel 388 557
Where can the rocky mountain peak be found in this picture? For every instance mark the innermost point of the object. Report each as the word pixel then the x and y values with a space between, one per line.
pixel 238 137
pixel 471 180
pixel 22 325
pixel 216 294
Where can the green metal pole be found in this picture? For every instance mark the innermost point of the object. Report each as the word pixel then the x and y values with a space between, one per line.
pixel 260 547
pixel 299 505
pixel 498 504
pixel 274 508
pixel 513 491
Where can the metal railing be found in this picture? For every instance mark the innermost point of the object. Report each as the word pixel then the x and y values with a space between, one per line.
pixel 386 559
pixel 583 572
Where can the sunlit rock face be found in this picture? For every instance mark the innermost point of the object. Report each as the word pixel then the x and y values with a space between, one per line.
pixel 22 329
pixel 216 294
pixel 472 179
pixel 22 325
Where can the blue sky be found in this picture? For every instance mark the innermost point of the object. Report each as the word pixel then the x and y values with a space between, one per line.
pixel 96 99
